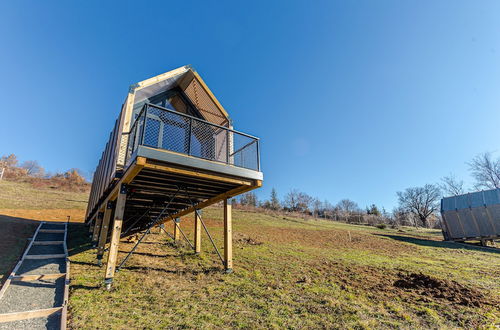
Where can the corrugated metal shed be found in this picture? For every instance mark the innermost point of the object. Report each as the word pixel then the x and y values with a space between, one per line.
pixel 472 216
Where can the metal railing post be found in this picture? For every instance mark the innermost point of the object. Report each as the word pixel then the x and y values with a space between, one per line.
pixel 144 124
pixel 258 155
pixel 227 147
pixel 190 135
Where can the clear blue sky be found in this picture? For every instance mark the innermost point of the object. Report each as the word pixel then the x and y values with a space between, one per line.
pixel 354 99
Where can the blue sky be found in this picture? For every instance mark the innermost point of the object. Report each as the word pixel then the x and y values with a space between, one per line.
pixel 355 99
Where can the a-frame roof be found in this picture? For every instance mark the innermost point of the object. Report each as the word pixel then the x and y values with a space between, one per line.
pixel 182 77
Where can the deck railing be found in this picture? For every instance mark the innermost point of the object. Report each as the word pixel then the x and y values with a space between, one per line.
pixel 166 129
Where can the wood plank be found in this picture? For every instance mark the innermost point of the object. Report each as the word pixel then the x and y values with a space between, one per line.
pixel 47 242
pixel 228 236
pixel 197 232
pixel 115 238
pixel 177 232
pixel 29 278
pixel 44 256
pixel 197 174
pixel 208 202
pixel 16 316
pixel 127 177
pixel 97 227
pixel 103 235
pixel 52 231
pixel 64 312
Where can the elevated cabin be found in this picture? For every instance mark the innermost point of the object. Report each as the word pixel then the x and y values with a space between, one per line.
pixel 472 217
pixel 172 151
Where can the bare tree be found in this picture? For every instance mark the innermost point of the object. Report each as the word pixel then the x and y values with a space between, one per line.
pixel 316 206
pixel 32 168
pixel 347 206
pixel 486 171
pixel 451 186
pixel 8 161
pixel 420 201
pixel 249 199
pixel 297 201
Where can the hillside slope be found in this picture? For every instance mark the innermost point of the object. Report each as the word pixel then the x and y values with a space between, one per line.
pixel 291 272
pixel 21 209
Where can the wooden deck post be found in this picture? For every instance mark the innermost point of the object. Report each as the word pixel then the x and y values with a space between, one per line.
pixel 115 236
pixel 103 235
pixel 197 232
pixel 228 236
pixel 177 232
pixel 97 228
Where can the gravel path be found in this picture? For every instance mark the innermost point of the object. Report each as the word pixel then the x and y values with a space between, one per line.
pixel 51 322
pixel 23 296
pixel 46 249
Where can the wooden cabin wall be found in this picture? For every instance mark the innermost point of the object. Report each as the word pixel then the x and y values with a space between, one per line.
pixel 106 168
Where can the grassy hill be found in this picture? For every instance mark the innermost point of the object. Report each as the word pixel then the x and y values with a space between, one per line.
pixel 20 195
pixel 289 272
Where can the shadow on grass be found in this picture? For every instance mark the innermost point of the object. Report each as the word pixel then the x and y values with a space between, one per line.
pixel 14 234
pixel 151 254
pixel 211 270
pixel 78 239
pixel 85 287
pixel 439 244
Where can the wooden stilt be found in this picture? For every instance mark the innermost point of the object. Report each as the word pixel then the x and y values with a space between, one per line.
pixel 97 228
pixel 228 236
pixel 197 232
pixel 177 232
pixel 115 236
pixel 103 235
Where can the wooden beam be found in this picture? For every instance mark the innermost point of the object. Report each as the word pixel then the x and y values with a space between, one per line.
pixel 97 228
pixel 103 235
pixel 197 232
pixel 47 242
pixel 44 256
pixel 228 236
pixel 64 312
pixel 17 316
pixel 30 278
pixel 177 232
pixel 52 231
pixel 197 174
pixel 210 201
pixel 115 236
pixel 127 177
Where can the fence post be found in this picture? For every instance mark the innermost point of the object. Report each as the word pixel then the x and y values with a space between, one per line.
pixel 1 173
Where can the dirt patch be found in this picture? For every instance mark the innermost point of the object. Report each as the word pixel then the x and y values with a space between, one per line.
pixel 442 289
pixel 330 238
pixel 240 238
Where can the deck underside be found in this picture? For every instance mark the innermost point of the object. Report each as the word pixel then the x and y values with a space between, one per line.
pixel 159 191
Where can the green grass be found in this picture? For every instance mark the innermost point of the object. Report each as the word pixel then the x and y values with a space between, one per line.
pixel 304 274
pixel 17 195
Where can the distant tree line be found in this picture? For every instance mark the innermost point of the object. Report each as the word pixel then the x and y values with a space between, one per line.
pixel 32 172
pixel 417 206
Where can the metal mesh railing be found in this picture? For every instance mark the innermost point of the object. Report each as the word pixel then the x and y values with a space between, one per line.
pixel 162 128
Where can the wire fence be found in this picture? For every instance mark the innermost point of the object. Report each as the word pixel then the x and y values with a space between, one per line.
pixel 166 129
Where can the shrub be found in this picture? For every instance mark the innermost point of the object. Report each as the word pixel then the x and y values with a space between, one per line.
pixel 381 226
